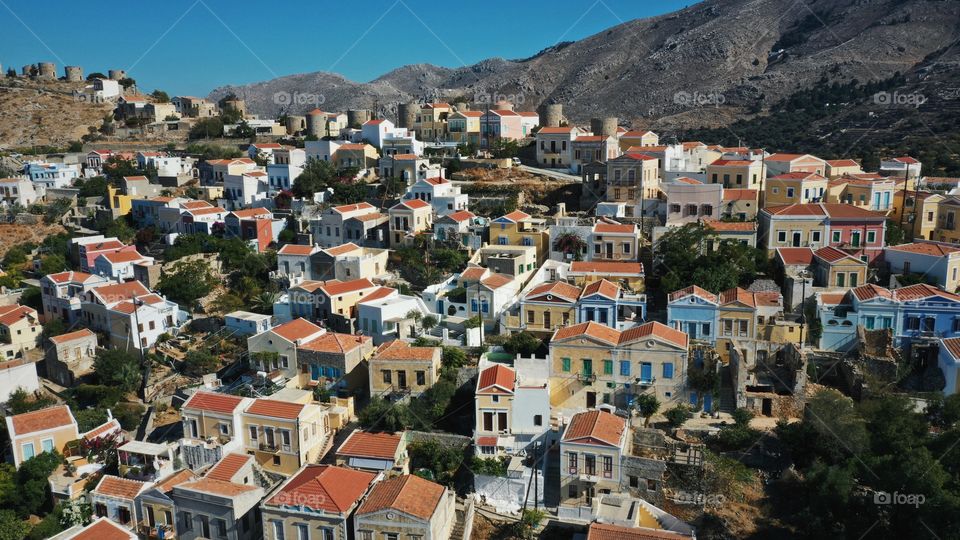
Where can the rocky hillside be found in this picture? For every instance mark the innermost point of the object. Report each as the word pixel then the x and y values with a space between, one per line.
pixel 44 113
pixel 708 64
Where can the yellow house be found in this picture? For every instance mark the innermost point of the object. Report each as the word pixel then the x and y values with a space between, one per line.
pixel 408 218
pixel 735 173
pixel 736 319
pixel 615 242
pixel 947 218
pixel 283 436
pixel 638 138
pixel 211 418
pixel 317 502
pixel 794 187
pixel 156 510
pixel 520 229
pixel 841 167
pixel 547 307
pixel 923 210
pixel 20 330
pixel 46 430
pixel 590 451
pixel 119 204
pixel 355 155
pixel 431 121
pixel 406 507
pixel 398 368
pixel 629 275
pixel 633 179
pixel 464 127
pixel 592 363
pixel 494 407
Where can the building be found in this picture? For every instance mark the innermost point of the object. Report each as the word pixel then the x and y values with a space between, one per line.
pixel 794 188
pixel 210 508
pixel 120 266
pixel 130 314
pixel 17 374
pixel 638 138
pixel 375 452
pixel 398 369
pixel 902 167
pixel 948 360
pixel 20 330
pixel 500 124
pixel 276 349
pixel 589 149
pixel 633 179
pixel 463 127
pixel 842 167
pixel 555 146
pixel 408 218
pixel 441 194
pixel 155 507
pixel 18 191
pixel 432 121
pixel 615 242
pixel 406 507
pixel 317 502
pixel 212 427
pixel 115 498
pixel 689 201
pixel 61 294
pixel 593 364
pixel 385 315
pixel 937 263
pixel 100 529
pixel 45 430
pixel 327 230
pixel 284 436
pixel 245 323
pixel 335 362
pixel 735 173
pixel 71 356
pixel 778 164
pixel 520 229
pixel 591 449
pixel 855 230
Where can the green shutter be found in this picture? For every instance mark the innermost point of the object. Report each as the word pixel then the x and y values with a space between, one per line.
pixel 608 367
pixel 566 364
pixel 587 367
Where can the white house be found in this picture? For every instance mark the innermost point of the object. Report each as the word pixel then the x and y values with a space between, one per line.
pixel 243 190
pixel 327 229
pixel 441 194
pixel 18 191
pixel 245 323
pixel 51 175
pixel 375 131
pixel 383 315
pixel 130 315
pixel 17 373
pixel 119 265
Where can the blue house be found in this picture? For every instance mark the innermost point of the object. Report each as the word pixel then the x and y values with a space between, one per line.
pixel 606 303
pixel 694 311
pixel 917 312
pixel 949 362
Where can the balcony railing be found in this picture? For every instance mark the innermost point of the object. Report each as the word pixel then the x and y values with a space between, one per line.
pixel 587 377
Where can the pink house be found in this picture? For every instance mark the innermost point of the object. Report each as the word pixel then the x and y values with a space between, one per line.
pixel 857 231
pixel 501 123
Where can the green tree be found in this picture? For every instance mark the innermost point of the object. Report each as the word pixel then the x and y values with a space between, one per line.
pixel 647 405
pixel 678 415
pixel 53 263
pixel 206 128
pixel 159 96
pixel 522 343
pixel 22 401
pixel 200 362
pixel 317 175
pixel 12 527
pixel 380 415
pixel 116 367
pixel 244 131
pixel 33 494
pixel 187 282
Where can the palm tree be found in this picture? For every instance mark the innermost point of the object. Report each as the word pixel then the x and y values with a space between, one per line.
pixel 570 243
pixel 263 302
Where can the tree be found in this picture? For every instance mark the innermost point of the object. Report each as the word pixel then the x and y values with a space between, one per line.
pixel 678 415
pixel 570 244
pixel 33 494
pixel 53 263
pixel 188 282
pixel 522 343
pixel 895 234
pixel 647 405
pixel 429 322
pixel 683 257
pixel 453 358
pixel 160 96
pixel 382 415
pixel 244 131
pixel 22 401
pixel 12 527
pixel 118 368
pixel 742 417
pixel 200 362
pixel 263 302
pixel 206 128
pixel 317 175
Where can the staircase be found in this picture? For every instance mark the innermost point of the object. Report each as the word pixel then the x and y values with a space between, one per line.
pixel 728 398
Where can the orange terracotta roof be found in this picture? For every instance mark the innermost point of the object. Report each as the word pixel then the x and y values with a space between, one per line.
pixel 412 204
pixel 516 216
pixel 461 215
pixel 592 329
pixel 603 227
pixel 295 249
pixel 791 256
pixel 370 445
pixel 164 485
pixel 562 289
pixel 227 467
pixel 695 291
pixel 832 254
pixel 496 379
pixel 655 329
pixel 332 289
pixel 332 342
pixel 101 430
pixel 922 290
pixel 869 291
pixel 408 494
pixel 217 487
pixel 953 346
pixel 42 420
pixel 739 194
pixel 842 163
pixel 833 210
pixel 404 157
pixel 296 329
pixel 122 256
pixel 401 350
pixel 832 299
pixel 69 276
pixel 732 163
pixel 120 291
pixel 377 294
pixel 473 273
pixel 601 531
pixel 789 157
pixel 737 294
pixel 213 402
pixel 103 529
pixel 275 409
pixel 602 287
pixel 607 267
pixel 120 488
pixel 495 281
pixel 250 212
pixel 731 226
pixel 927 248
pixel 11 314
pixel 341 249
pixel 595 428
pixel 686 180
pixel 323 487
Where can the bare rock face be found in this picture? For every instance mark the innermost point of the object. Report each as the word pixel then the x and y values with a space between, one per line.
pixel 699 66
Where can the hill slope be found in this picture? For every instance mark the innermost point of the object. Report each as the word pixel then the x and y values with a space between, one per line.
pixel 648 70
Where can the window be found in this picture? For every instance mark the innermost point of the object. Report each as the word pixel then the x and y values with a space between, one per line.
pixel 668 370
pixel 47 445
pixel 727 327
pixel 572 491
pixel 253 433
pixel 565 363
pixel 530 316
pixel 278 530
pixel 587 367
pixel 421 378
pixel 840 279
pixel 608 466
pixel 186 516
pixel 814 236
pixel 303 532
pixel 387 379
pixel 625 368
pixel 790 192
pixel 28 451
pixel 572 462
pixel 646 372
pixel 781 236
pixel 853 279
pixel 871 237
pixel 608 367
pixel 538 418
pixel 221 527
pixel 276 460
pixel 626 248
pixel 836 236
pixel 743 328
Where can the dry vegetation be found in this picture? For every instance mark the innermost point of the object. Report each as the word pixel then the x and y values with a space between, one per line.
pixel 12 234
pixel 45 113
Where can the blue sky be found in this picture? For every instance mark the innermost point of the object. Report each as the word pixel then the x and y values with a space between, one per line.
pixel 192 46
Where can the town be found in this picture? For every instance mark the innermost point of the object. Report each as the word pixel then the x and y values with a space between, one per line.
pixel 463 318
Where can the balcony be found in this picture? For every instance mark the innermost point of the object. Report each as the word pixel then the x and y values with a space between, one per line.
pixel 587 378
pixel 166 532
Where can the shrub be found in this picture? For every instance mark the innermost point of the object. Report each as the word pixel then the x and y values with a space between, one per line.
pixel 742 416
pixel 678 415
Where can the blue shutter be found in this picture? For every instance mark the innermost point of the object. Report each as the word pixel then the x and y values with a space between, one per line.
pixel 646 371
pixel 625 368
pixel 668 370
pixel 707 402
pixel 693 399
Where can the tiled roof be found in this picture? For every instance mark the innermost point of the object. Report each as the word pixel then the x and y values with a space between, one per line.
pixel 696 291
pixel 461 215
pixel 920 291
pixel 122 256
pixel 275 409
pixel 250 212
pixel 496 379
pixel 295 249
pixel 832 254
pixel 352 207
pixel 110 425
pixel 614 228
pixel 655 329
pixel 926 248
pixel 639 157
pixel 732 163
pixel 103 529
pixel 602 531
pixel 401 350
pixel 296 329
pixel 789 157
pixel 953 346
pixel 833 210
pixel 832 299
pixel 562 289
pixel 377 294
pixel 842 163
pixel 412 204
pixel 341 249
pixel 69 276
pixel 687 180
pixel 323 487
pixel 595 427
pixel 592 329
pixel 370 445
pixel 120 488
pixel 120 291
pixel 637 133
pixel 739 194
pixel 602 287
pixel 607 267
pixel 341 287
pixel 44 419
pixel 473 273
pixel 495 281
pixel 11 314
pixel 164 485
pixel 869 291
pixel 332 342
pixel 731 226
pixel 516 216
pixel 737 294
pixel 795 255
pixel 228 466
pixel 555 130
pixel 213 402
pixel 408 494
pixel 217 487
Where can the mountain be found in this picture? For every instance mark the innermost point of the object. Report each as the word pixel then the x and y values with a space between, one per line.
pixel 706 65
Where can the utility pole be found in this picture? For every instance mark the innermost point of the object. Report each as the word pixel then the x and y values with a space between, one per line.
pixel 903 198
pixel 803 303
pixel 763 175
